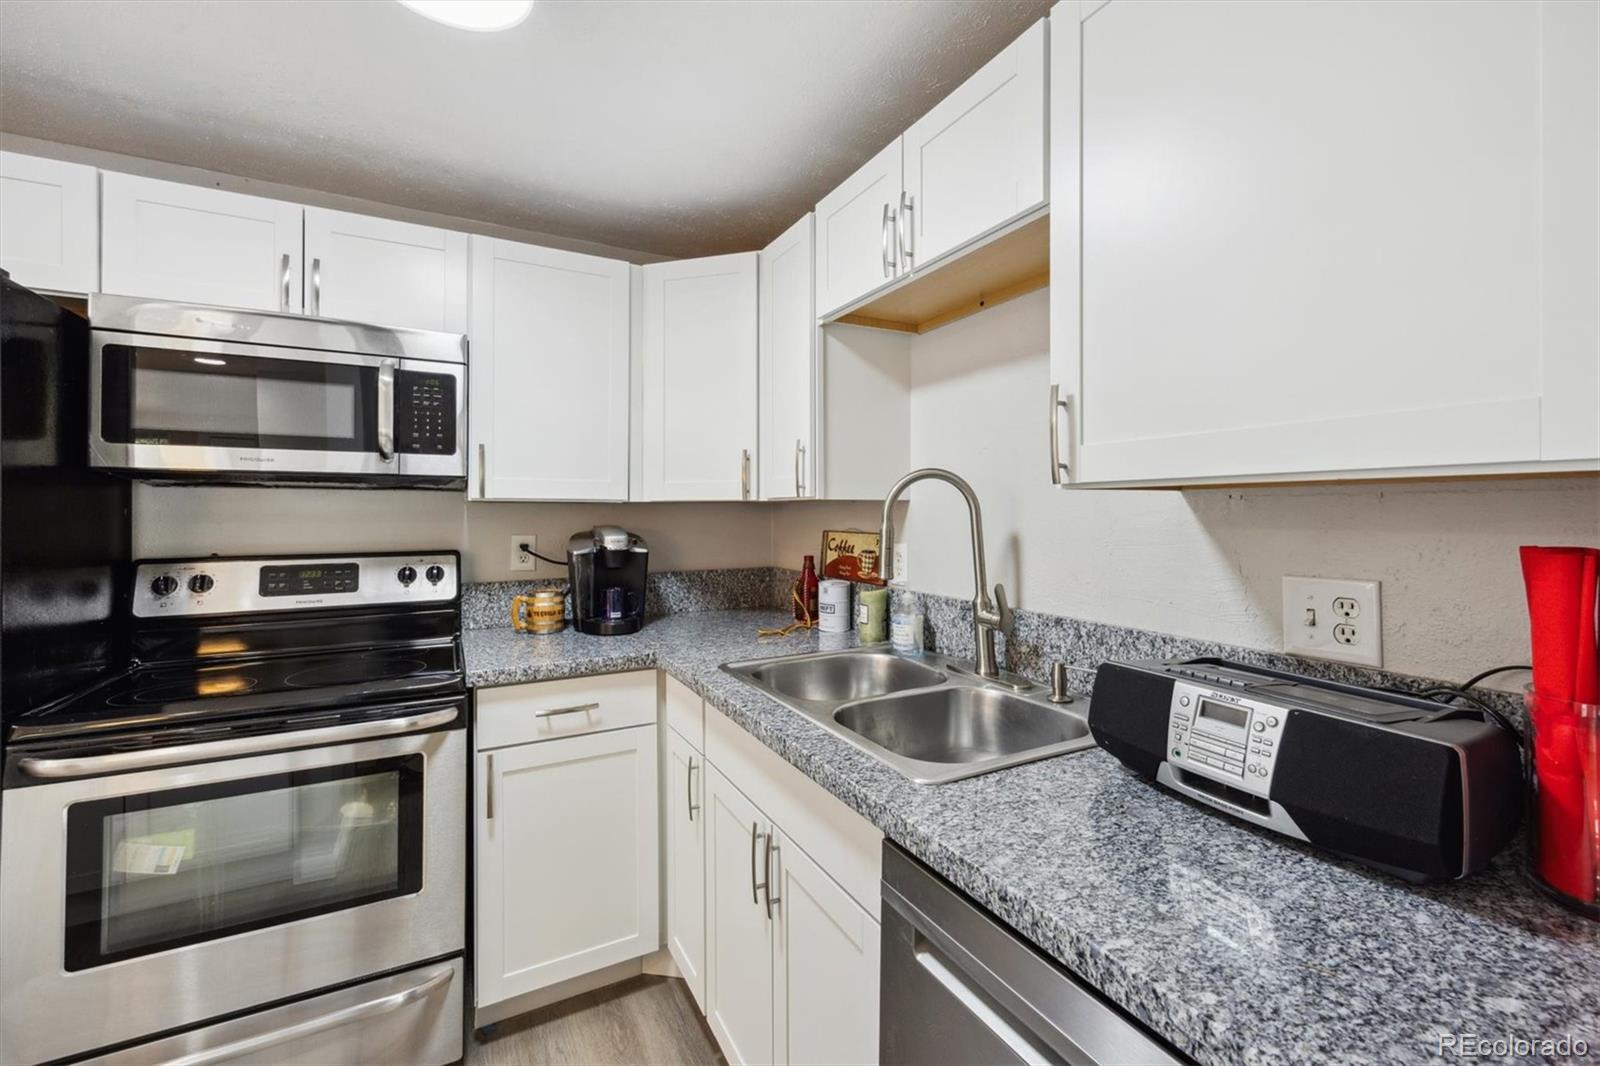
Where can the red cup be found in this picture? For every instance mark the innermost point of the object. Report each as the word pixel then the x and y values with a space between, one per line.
pixel 1563 755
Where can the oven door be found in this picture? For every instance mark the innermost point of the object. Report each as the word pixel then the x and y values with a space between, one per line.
pixel 148 901
pixel 223 409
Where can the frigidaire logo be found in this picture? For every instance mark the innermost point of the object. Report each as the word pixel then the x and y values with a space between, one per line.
pixel 245 458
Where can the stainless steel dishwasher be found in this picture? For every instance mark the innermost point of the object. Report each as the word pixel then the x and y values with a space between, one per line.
pixel 959 987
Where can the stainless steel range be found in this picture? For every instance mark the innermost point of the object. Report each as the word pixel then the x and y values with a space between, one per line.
pixel 251 844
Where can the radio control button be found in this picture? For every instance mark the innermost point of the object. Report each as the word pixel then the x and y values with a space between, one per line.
pixel 1260 727
pixel 1273 722
pixel 1183 701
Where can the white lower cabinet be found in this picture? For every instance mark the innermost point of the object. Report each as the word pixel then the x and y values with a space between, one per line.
pixel 568 852
pixel 683 804
pixel 792 959
pixel 824 964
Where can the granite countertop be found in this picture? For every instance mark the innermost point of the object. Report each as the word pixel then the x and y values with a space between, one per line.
pixel 1231 944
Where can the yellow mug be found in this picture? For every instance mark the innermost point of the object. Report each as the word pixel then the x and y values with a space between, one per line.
pixel 540 611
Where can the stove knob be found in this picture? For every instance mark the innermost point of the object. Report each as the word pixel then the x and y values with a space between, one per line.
pixel 435 574
pixel 406 574
pixel 165 585
pixel 201 584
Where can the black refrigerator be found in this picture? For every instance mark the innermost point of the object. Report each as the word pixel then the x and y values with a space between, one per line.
pixel 65 534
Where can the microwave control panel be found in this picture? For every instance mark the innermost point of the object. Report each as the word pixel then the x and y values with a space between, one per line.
pixel 425 413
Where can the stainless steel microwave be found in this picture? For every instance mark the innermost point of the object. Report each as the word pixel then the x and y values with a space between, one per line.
pixel 187 392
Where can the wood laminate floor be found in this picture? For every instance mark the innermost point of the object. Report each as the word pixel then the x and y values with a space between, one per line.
pixel 644 1020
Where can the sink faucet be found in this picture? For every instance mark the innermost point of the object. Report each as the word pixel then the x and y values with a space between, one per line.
pixel 987 615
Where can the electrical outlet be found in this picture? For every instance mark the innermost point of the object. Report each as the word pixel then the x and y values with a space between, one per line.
pixel 1329 618
pixel 521 561
pixel 902 551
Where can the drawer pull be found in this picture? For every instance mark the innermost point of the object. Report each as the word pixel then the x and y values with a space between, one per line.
pixel 688 783
pixel 583 708
pixel 488 781
pixel 755 836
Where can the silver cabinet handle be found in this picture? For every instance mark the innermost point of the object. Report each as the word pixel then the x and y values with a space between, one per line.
pixel 884 230
pixel 582 708
pixel 906 230
pixel 206 751
pixel 254 1045
pixel 483 474
pixel 316 286
pixel 755 835
pixel 488 784
pixel 799 452
pixel 1057 403
pixel 772 901
pixel 978 1006
pixel 386 370
pixel 285 281
pixel 688 783
pixel 744 474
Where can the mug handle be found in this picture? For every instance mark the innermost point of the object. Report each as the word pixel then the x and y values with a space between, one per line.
pixel 519 620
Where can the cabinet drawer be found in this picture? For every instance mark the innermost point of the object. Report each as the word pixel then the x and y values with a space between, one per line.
pixel 686 712
pixel 545 710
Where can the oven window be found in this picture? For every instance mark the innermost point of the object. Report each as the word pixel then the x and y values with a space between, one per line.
pixel 171 396
pixel 160 870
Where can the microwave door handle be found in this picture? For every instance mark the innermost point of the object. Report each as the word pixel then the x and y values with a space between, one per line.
pixel 386 410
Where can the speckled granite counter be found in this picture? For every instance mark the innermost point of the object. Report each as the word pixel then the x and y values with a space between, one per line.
pixel 1233 945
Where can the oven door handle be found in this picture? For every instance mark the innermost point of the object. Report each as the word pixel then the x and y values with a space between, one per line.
pixel 94 765
pixel 254 1045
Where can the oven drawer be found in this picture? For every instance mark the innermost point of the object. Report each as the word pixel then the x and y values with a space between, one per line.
pixel 413 1018
pixel 545 710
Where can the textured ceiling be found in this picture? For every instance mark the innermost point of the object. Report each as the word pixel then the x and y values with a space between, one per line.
pixel 678 127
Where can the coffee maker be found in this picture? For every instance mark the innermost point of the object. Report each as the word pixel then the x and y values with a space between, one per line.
pixel 606 566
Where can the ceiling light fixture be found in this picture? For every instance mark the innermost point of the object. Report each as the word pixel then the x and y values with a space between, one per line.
pixel 484 16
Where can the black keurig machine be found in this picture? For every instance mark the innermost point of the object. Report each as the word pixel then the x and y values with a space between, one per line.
pixel 606 566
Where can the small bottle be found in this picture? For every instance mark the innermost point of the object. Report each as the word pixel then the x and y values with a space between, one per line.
pixel 805 608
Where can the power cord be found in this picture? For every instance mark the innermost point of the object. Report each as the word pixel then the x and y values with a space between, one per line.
pixel 523 547
pixel 1475 679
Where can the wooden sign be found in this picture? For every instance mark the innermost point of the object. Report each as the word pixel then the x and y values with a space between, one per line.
pixel 851 555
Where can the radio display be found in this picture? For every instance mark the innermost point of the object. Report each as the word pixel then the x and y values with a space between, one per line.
pixel 1237 717
pixel 310 580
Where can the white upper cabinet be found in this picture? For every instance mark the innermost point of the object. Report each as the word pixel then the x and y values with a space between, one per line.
pixel 699 392
pixel 1383 266
pixel 49 223
pixel 857 243
pixel 788 365
pixel 978 159
pixel 387 273
pixel 190 244
pixel 549 358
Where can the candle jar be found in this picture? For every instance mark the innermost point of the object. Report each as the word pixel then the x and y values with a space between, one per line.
pixel 1563 764
pixel 541 611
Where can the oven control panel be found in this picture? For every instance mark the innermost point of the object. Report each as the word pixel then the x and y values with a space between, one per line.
pixel 1217 732
pixel 425 413
pixel 189 587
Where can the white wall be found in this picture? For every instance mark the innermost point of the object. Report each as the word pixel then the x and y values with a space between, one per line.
pixel 1209 563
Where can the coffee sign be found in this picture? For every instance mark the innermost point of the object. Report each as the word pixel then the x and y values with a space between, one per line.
pixel 851 555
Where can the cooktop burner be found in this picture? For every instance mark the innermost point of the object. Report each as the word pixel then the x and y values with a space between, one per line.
pixel 173 693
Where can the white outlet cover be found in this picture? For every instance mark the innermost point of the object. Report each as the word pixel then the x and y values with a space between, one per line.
pixel 1309 619
pixel 520 563
pixel 902 551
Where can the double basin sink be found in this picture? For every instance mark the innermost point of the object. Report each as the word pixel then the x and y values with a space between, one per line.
pixel 931 718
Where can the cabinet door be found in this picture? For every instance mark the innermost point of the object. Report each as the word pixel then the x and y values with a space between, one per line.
pixel 825 966
pixel 738 934
pixel 568 847
pixel 856 239
pixel 184 243
pixel 977 160
pixel 700 361
pixel 788 365
pixel 1377 268
pixel 49 223
pixel 684 807
pixel 388 273
pixel 549 356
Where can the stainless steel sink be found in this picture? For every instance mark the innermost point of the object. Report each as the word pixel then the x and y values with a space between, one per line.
pixel 930 718
pixel 845 676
